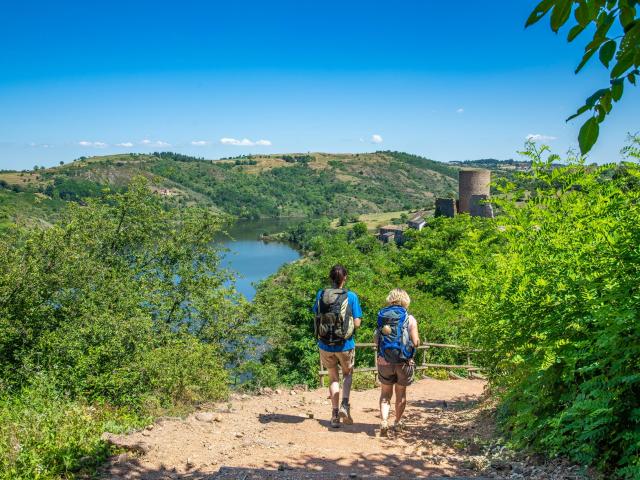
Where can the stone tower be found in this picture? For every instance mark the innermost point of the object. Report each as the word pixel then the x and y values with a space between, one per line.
pixel 472 181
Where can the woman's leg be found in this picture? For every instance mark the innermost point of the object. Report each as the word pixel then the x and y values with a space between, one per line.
pixel 386 392
pixel 401 401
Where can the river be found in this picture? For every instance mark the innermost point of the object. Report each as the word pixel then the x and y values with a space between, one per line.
pixel 252 259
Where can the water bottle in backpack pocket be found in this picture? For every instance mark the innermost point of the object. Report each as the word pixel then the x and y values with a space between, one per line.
pixel 334 319
pixel 394 341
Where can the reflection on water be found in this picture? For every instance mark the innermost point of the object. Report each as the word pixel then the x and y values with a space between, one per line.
pixel 251 258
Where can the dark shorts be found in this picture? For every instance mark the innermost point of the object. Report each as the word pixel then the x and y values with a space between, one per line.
pixel 400 373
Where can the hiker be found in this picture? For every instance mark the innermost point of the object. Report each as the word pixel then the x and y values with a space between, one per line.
pixel 397 338
pixel 338 314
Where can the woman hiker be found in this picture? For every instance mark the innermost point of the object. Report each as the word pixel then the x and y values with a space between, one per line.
pixel 397 338
pixel 338 314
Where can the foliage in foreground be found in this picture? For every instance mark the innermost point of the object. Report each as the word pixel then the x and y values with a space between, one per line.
pixel 615 29
pixel 44 434
pixel 556 312
pixel 119 307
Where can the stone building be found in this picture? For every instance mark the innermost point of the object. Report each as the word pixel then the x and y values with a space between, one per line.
pixel 390 233
pixel 446 207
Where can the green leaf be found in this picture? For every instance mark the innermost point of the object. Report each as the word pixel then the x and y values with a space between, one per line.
pixel 630 25
pixel 574 32
pixel 560 14
pixel 588 135
pixel 585 59
pixel 605 102
pixel 604 22
pixel 616 89
pixel 626 16
pixel 540 11
pixel 632 78
pixel 580 111
pixel 591 101
pixel 607 51
pixel 624 63
pixel 582 14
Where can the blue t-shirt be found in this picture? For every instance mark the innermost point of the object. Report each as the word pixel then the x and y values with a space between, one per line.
pixel 356 311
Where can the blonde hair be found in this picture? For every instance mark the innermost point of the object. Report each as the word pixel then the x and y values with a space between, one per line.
pixel 397 296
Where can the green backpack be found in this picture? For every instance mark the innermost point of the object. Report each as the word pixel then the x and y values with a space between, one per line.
pixel 334 321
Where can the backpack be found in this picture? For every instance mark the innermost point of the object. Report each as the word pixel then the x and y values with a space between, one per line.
pixel 334 320
pixel 395 347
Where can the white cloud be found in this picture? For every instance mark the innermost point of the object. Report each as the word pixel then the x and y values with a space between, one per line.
pixel 245 142
pixel 200 143
pixel 84 143
pixel 460 110
pixel 154 143
pixel 125 144
pixel 538 137
pixel 375 138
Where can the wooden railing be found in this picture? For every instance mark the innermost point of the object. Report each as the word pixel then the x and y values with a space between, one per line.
pixel 420 360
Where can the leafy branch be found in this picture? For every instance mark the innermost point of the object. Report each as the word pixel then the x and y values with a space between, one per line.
pixel 618 50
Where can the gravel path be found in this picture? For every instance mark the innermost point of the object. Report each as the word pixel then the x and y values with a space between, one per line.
pixel 448 433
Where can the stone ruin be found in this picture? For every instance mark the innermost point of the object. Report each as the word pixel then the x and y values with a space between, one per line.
pixel 474 188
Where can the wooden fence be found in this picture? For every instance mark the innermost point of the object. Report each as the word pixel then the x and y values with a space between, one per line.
pixel 420 359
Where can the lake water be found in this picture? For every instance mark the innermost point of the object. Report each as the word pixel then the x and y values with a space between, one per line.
pixel 251 258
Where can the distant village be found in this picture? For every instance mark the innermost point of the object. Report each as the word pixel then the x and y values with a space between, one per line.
pixel 474 189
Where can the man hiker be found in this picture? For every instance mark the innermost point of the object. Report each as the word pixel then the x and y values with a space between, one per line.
pixel 338 314
pixel 397 338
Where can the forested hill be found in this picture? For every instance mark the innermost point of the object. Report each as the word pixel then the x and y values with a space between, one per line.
pixel 251 186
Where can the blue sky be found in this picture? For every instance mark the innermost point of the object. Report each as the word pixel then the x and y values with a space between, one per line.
pixel 448 80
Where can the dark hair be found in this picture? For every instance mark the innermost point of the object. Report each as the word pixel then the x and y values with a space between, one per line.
pixel 337 274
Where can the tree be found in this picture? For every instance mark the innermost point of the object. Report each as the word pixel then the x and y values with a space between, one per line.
pixel 359 229
pixel 617 45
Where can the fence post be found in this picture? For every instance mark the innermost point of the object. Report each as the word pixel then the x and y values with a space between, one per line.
pixel 375 364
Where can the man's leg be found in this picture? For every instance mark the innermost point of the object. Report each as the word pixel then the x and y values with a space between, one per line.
pixel 401 401
pixel 386 392
pixel 345 407
pixel 334 386
pixel 347 379
pixel 334 393
pixel 347 360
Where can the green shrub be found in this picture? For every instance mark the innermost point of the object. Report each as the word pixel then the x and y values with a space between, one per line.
pixel 185 370
pixel 46 435
pixel 556 312
pixel 118 307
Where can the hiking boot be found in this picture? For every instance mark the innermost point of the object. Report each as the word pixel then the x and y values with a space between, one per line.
pixel 345 414
pixel 335 419
pixel 384 429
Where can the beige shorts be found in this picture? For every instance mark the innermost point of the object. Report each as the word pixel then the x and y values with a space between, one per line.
pixel 400 373
pixel 345 359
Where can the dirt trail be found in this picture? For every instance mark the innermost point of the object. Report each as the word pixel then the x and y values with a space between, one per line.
pixel 445 434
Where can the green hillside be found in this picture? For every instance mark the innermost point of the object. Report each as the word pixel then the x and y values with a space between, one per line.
pixel 255 186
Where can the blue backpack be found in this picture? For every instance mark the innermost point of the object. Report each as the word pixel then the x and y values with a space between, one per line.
pixel 395 346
